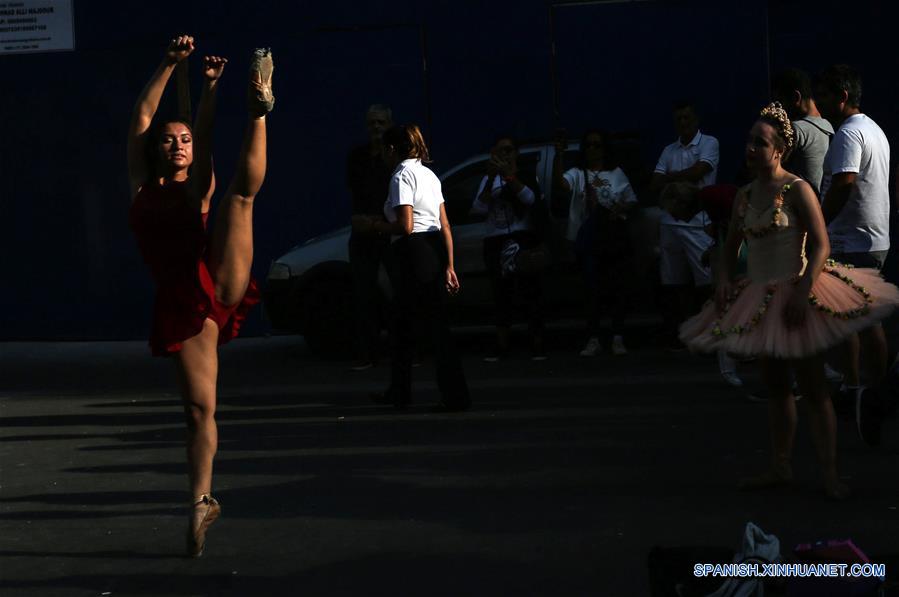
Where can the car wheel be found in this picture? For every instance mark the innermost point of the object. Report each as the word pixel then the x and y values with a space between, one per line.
pixel 329 318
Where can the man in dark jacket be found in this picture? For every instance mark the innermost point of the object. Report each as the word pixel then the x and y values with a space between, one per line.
pixel 368 176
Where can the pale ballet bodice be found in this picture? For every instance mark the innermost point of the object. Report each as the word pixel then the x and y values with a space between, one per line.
pixel 779 253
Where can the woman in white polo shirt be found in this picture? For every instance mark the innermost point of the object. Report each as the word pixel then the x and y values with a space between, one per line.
pixel 423 274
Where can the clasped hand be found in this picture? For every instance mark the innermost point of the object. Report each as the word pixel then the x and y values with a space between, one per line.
pixel 499 166
pixel 183 46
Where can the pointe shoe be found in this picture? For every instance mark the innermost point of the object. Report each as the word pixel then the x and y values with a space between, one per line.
pixel 260 97
pixel 196 537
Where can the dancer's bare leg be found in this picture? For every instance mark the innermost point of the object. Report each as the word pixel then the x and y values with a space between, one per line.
pixel 781 425
pixel 197 368
pixel 231 250
pixel 823 421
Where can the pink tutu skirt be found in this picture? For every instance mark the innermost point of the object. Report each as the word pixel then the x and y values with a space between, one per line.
pixel 843 300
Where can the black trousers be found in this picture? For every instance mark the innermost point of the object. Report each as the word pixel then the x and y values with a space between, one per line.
pixel 604 251
pixel 418 274
pixel 365 261
pixel 506 288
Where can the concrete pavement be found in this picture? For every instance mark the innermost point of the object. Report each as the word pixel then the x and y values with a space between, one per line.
pixel 558 481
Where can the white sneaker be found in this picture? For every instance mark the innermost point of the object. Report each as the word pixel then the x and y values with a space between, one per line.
pixel 832 375
pixel 728 368
pixel 732 379
pixel 618 348
pixel 593 346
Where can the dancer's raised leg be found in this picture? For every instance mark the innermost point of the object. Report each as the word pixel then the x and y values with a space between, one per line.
pixel 231 250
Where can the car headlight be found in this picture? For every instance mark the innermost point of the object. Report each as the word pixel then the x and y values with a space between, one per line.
pixel 279 271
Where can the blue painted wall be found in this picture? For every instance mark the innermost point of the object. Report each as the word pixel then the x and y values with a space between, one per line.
pixel 69 266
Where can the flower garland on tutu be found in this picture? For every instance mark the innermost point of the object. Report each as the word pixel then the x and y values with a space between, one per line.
pixel 844 315
pixel 812 299
pixel 756 318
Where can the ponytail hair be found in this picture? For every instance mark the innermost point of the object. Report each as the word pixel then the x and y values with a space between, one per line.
pixel 408 142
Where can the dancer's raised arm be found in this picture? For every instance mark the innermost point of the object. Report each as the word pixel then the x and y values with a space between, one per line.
pixel 203 178
pixel 146 106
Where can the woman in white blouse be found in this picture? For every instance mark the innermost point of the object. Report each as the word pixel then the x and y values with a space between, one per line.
pixel 507 195
pixel 423 273
pixel 601 196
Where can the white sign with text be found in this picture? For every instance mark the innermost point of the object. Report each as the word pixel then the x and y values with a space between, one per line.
pixel 36 26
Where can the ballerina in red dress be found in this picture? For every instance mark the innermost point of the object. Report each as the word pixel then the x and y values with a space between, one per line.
pixel 204 288
pixel 792 305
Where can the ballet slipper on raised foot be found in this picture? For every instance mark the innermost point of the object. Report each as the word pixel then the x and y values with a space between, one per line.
pixel 203 513
pixel 260 97
pixel 781 476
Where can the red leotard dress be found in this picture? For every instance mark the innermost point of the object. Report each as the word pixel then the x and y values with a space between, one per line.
pixel 171 235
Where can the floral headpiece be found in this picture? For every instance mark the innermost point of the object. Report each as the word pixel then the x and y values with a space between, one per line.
pixel 775 111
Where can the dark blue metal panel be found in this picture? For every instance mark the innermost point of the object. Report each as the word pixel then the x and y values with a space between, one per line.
pixel 67 259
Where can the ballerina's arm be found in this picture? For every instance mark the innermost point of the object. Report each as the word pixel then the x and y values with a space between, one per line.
pixel 203 177
pixel 146 105
pixel 808 211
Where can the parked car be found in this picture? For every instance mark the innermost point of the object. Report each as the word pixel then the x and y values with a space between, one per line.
pixel 309 289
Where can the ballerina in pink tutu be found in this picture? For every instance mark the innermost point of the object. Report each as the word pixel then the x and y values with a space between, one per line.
pixel 792 305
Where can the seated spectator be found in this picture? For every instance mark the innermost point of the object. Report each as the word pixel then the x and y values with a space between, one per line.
pixel 600 198
pixel 507 195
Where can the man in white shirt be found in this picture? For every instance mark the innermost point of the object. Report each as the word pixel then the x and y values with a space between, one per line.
pixel 856 206
pixel 692 158
pixel 691 161
pixel 855 190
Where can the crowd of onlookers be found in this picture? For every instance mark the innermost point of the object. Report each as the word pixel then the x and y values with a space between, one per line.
pixel 840 151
